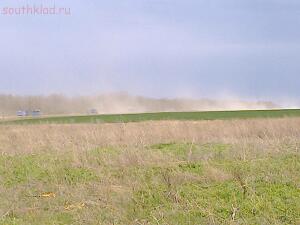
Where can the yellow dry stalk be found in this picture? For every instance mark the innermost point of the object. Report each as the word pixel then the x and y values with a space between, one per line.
pixel 47 195
pixel 75 206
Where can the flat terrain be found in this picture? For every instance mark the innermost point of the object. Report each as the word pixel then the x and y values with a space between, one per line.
pixel 154 172
pixel 125 118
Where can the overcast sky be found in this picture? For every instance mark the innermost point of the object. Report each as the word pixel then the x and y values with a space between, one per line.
pixel 159 48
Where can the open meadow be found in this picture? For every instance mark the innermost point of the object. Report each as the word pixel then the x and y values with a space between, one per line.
pixel 150 112
pixel 234 171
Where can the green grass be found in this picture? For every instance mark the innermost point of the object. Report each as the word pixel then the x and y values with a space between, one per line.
pixel 159 184
pixel 15 170
pixel 213 115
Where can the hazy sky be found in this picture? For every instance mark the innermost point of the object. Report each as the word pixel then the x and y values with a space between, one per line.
pixel 161 48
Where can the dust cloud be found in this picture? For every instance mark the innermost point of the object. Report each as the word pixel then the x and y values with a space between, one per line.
pixel 116 103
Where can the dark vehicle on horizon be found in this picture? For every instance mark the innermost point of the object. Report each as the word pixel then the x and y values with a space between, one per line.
pixel 36 112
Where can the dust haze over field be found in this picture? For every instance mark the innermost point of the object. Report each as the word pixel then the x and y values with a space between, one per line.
pixel 177 167
pixel 122 103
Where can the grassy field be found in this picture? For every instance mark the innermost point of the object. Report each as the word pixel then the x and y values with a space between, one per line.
pixel 160 172
pixel 125 118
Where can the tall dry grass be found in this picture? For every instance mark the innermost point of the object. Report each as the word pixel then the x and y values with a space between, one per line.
pixel 79 137
pixel 220 158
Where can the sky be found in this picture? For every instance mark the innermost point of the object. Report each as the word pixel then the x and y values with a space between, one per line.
pixel 155 48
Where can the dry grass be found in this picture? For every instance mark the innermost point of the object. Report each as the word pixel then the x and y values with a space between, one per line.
pixel 205 172
pixel 31 138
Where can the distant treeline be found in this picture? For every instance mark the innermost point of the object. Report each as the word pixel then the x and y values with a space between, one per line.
pixel 117 103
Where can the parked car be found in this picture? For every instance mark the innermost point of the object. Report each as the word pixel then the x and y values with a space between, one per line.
pixel 93 112
pixel 21 113
pixel 36 112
